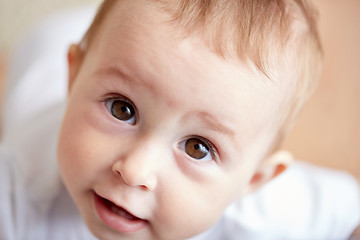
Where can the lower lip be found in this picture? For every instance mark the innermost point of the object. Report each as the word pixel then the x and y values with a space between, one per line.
pixel 116 221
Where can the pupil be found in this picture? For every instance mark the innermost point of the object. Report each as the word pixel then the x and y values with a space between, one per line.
pixel 124 109
pixel 196 147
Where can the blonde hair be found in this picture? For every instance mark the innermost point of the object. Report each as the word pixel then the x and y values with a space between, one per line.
pixel 254 31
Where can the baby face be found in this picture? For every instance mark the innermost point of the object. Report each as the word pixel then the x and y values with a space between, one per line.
pixel 160 134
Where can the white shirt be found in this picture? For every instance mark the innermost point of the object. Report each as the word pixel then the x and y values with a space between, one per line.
pixel 305 202
pixel 33 202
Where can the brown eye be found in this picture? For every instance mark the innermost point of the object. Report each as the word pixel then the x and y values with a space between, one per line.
pixel 196 148
pixel 122 110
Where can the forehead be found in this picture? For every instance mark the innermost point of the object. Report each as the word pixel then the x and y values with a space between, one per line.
pixel 137 41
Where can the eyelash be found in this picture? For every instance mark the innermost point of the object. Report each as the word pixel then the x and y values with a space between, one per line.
pixel 213 151
pixel 116 96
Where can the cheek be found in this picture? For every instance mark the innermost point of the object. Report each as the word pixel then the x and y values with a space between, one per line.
pixel 79 150
pixel 190 208
pixel 68 153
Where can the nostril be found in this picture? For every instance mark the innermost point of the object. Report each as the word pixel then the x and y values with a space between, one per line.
pixel 117 167
pixel 116 172
pixel 143 187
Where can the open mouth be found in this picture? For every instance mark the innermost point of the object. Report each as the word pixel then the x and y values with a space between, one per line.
pixel 119 210
pixel 117 217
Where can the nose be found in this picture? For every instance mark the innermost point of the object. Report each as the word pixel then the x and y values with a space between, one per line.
pixel 138 167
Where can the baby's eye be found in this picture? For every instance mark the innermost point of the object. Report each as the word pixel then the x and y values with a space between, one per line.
pixel 197 149
pixel 122 110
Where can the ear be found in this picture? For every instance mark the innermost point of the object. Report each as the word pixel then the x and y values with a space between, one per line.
pixel 270 168
pixel 74 58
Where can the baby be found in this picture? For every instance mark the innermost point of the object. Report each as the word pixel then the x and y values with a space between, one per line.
pixel 177 109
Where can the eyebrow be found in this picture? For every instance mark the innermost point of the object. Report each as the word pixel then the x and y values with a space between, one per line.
pixel 117 72
pixel 120 73
pixel 214 123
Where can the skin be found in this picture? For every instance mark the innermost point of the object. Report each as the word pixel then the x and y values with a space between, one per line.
pixel 179 89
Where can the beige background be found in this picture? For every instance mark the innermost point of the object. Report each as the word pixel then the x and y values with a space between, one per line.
pixel 18 16
pixel 328 129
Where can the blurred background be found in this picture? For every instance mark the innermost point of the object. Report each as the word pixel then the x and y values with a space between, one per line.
pixel 327 131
